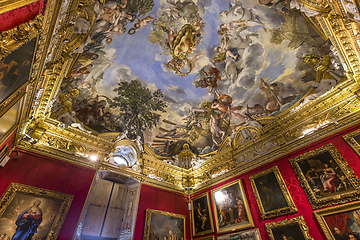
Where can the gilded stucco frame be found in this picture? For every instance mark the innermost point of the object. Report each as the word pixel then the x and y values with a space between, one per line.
pixel 297 220
pixel 350 139
pixel 210 215
pixel 291 208
pixel 149 212
pixel 348 173
pixel 246 206
pixel 66 199
pixel 320 214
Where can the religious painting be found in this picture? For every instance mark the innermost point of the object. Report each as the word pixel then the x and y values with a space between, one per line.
pixel 340 222
pixel 15 69
pixel 326 177
pixel 188 72
pixel 201 215
pixel 231 208
pixel 353 139
pixel 294 228
pixel 164 225
pixel 32 213
pixel 271 193
pixel 252 234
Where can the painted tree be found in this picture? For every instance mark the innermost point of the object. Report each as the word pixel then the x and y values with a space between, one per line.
pixel 139 107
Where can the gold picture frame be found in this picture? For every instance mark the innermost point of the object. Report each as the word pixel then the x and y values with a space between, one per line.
pixel 24 198
pixel 202 218
pixel 280 201
pixel 328 218
pixel 326 177
pixel 353 140
pixel 234 195
pixel 212 237
pixel 8 5
pixel 253 234
pixel 288 228
pixel 157 219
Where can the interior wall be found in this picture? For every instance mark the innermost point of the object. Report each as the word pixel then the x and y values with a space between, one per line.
pixel 163 200
pixel 295 189
pixel 42 172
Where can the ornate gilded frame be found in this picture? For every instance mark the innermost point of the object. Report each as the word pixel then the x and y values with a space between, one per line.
pixel 210 215
pixel 246 206
pixel 297 220
pixel 320 214
pixel 291 208
pixel 212 237
pixel 66 199
pixel 149 212
pixel 8 5
pixel 348 173
pixel 350 139
pixel 239 234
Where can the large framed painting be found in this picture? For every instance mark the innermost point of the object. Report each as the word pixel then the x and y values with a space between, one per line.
pixel 32 213
pixel 164 225
pixel 340 222
pixel 294 228
pixel 201 215
pixel 252 234
pixel 353 139
pixel 326 177
pixel 231 208
pixel 271 193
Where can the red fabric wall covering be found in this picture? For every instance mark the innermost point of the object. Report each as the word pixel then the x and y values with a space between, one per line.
pixel 17 16
pixel 295 189
pixel 42 172
pixel 9 140
pixel 163 200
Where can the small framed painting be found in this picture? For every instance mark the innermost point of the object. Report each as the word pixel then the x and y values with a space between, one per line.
pixel 294 228
pixel 32 213
pixel 231 208
pixel 271 193
pixel 353 139
pixel 164 225
pixel 252 234
pixel 326 177
pixel 340 222
pixel 201 215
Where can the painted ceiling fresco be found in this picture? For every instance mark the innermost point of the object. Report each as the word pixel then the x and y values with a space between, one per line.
pixel 175 72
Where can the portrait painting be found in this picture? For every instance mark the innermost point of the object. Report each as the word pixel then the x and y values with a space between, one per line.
pixel 231 208
pixel 292 229
pixel 32 213
pixel 164 225
pixel 252 234
pixel 353 139
pixel 340 222
pixel 202 217
pixel 326 177
pixel 271 193
pixel 15 69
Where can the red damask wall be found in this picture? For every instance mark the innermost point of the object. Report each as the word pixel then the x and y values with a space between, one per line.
pixel 293 185
pixel 163 200
pixel 42 172
pixel 15 17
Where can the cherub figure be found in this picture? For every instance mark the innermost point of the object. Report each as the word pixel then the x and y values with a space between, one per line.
pixel 210 79
pixel 141 23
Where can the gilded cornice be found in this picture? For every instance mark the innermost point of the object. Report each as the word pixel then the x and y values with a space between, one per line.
pixel 279 136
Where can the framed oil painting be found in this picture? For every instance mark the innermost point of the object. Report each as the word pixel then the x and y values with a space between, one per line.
pixel 231 208
pixel 271 193
pixel 252 234
pixel 294 228
pixel 326 177
pixel 340 222
pixel 201 215
pixel 353 139
pixel 164 225
pixel 32 213
pixel 212 237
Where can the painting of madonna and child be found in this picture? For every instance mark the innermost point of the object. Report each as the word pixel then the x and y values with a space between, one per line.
pixel 29 217
pixel 175 71
pixel 231 208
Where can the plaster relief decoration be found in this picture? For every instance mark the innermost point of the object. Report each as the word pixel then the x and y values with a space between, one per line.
pixel 131 206
pixel 27 212
pixel 174 74
pixel 326 177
